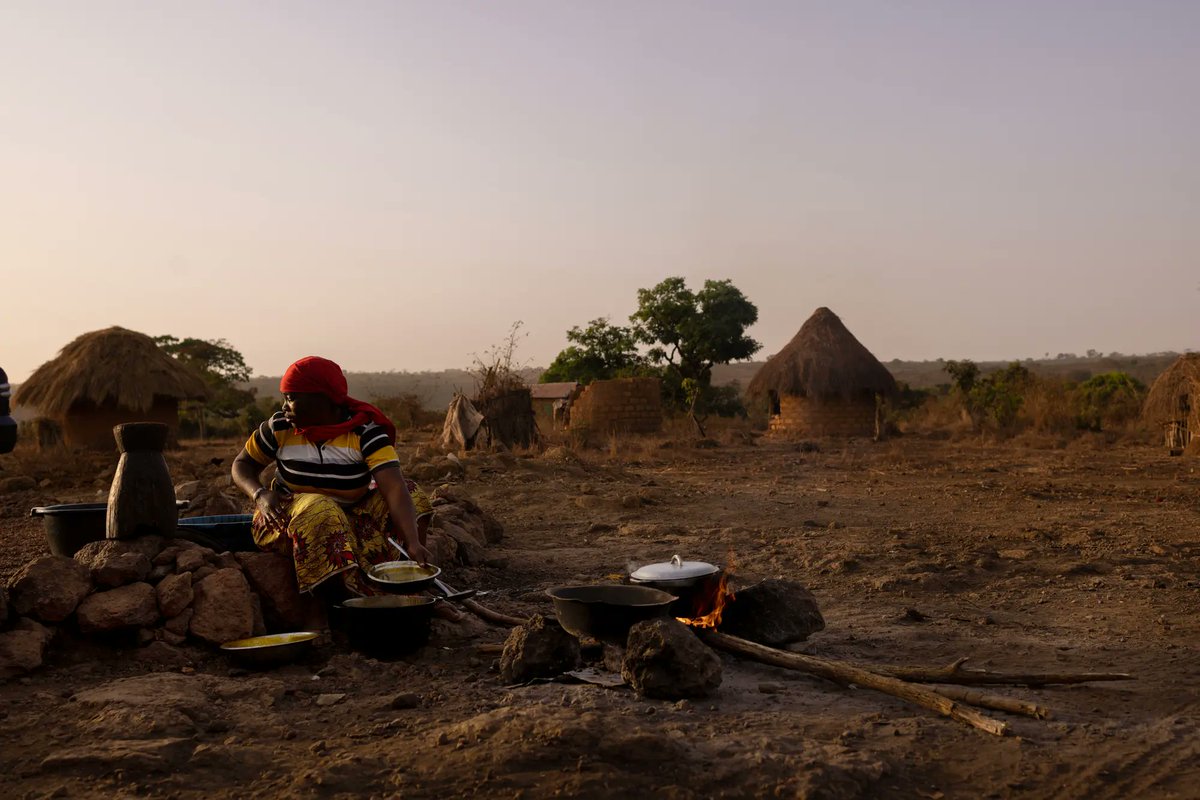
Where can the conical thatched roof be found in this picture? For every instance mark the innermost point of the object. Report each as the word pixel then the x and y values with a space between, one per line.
pixel 1181 378
pixel 823 360
pixel 115 365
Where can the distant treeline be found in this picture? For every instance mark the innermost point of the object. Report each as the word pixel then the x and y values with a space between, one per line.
pixel 931 374
pixel 434 390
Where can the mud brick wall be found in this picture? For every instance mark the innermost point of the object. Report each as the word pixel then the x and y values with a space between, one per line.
pixel 90 426
pixel 622 405
pixel 800 416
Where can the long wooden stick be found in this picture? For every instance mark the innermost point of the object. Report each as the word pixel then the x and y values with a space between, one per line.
pixel 954 673
pixel 491 615
pixel 983 700
pixel 847 673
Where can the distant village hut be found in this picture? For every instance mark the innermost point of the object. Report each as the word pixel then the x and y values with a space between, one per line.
pixel 1174 402
pixel 620 405
pixel 552 403
pixel 508 418
pixel 105 378
pixel 823 383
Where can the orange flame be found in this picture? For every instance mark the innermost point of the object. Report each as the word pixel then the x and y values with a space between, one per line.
pixel 715 601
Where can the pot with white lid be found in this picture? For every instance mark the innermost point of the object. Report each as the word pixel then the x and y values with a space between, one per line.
pixel 695 583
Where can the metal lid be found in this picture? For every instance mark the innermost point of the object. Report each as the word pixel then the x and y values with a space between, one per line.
pixel 674 570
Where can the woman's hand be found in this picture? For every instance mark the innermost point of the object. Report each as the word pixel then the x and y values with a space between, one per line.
pixel 419 553
pixel 270 505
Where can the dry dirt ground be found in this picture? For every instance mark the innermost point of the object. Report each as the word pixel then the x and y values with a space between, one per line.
pixel 1082 558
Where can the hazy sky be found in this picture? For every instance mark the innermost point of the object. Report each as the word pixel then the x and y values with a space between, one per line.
pixel 392 184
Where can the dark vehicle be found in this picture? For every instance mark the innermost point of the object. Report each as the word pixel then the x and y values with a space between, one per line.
pixel 8 425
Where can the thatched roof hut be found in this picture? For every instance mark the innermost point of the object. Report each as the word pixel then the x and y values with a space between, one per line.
pixel 1174 402
pixel 824 382
pixel 108 377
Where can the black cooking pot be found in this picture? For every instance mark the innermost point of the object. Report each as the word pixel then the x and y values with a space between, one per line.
pixel 608 611
pixel 385 625
pixel 694 583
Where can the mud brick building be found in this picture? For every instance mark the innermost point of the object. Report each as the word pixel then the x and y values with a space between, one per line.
pixel 621 405
pixel 823 383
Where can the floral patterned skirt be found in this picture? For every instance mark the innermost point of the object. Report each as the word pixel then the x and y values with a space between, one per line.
pixel 326 538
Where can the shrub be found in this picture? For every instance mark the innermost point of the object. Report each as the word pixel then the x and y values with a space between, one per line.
pixel 1111 399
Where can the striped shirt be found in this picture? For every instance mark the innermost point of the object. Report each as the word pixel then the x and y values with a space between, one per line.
pixel 340 467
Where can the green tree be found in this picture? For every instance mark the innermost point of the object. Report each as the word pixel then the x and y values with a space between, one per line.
pixel 1002 393
pixel 964 374
pixel 221 367
pixel 1108 399
pixel 689 332
pixel 999 395
pixel 599 352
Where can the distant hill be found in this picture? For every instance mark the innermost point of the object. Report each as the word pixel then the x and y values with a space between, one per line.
pixel 435 389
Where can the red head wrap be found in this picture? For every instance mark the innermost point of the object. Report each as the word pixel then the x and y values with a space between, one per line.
pixel 321 376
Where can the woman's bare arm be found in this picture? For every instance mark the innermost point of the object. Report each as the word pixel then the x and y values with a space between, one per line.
pixel 400 505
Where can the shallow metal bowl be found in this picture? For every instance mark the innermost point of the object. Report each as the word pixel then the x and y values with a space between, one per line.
pixel 607 612
pixel 271 650
pixel 402 577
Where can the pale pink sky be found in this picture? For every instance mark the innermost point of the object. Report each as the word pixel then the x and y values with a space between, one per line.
pixel 392 184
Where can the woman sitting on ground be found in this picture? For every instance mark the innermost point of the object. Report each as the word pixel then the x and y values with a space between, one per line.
pixel 338 492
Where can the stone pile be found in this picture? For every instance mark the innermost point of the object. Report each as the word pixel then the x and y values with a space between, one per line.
pixel 176 591
pixel 147 589
pixel 460 530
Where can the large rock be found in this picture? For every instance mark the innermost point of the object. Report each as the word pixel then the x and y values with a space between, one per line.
pixel 493 531
pixel 538 649
pixel 664 659
pixel 191 560
pixel 273 577
pixel 451 514
pixel 167 557
pixel 95 555
pixel 121 569
pixel 442 548
pixel 132 606
pixel 17 483
pixel 223 608
pixel 467 550
pixel 49 588
pixel 188 490
pixel 180 625
pixel 23 648
pixel 175 593
pixel 773 612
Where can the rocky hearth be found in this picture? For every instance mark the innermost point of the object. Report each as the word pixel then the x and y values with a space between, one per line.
pixel 174 590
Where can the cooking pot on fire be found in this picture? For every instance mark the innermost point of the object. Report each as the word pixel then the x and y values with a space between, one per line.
pixel 694 583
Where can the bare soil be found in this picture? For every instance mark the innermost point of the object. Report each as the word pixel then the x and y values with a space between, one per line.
pixel 1082 558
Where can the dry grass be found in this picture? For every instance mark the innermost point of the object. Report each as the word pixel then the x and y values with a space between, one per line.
pixel 1047 408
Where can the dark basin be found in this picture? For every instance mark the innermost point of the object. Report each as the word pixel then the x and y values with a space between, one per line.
pixel 70 526
pixel 607 612
pixel 220 532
